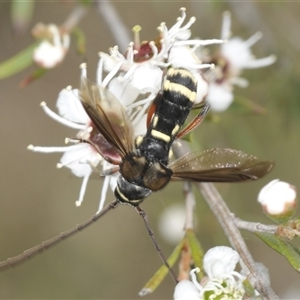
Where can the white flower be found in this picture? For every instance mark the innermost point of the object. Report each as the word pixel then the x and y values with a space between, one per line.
pixel 171 223
pixel 278 198
pixel 222 282
pixel 82 158
pixel 235 55
pixel 219 261
pixel 142 62
pixel 186 290
pixel 220 96
pixel 53 48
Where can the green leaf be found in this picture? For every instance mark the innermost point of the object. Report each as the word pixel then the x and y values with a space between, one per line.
pixel 197 252
pixel 21 14
pixel 291 253
pixel 80 40
pixel 85 2
pixel 161 273
pixel 246 105
pixel 250 291
pixel 188 137
pixel 36 74
pixel 18 62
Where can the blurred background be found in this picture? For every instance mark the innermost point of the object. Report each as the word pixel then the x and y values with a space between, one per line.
pixel 114 258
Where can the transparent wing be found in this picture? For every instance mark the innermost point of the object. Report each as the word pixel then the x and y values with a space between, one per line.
pixel 219 165
pixel 109 116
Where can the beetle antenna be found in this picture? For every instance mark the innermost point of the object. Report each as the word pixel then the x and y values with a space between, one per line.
pixel 142 213
pixel 27 254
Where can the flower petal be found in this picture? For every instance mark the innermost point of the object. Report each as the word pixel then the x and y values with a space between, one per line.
pixel 186 290
pixel 80 160
pixel 70 107
pixel 147 78
pixel 219 261
pixel 219 96
pixel 47 55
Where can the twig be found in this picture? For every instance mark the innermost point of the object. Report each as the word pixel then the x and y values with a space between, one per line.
pixel 283 231
pixel 114 23
pixel 74 18
pixel 254 226
pixel 189 205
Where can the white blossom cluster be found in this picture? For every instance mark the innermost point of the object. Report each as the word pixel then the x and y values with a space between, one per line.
pixel 135 79
pixel 221 281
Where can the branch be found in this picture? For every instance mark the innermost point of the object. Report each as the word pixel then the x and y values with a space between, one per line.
pixel 74 18
pixel 254 226
pixel 190 204
pixel 114 23
pixel 283 231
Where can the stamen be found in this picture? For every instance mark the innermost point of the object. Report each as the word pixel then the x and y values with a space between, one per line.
pixel 238 275
pixel 129 72
pixel 162 27
pixel 261 62
pixel 60 119
pixel 118 54
pixel 130 53
pixel 103 193
pixel 142 111
pixel 191 21
pixel 113 51
pixel 199 42
pixel 83 189
pixel 100 70
pixel 194 278
pixel 179 21
pixel 83 74
pixel 61 165
pixel 111 74
pixel 226 25
pixel 154 49
pixel 214 283
pixel 51 149
pixel 253 39
pixel 70 140
pixel 138 103
pixel 55 35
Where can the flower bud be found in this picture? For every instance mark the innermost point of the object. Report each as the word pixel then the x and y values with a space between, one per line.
pixel 171 224
pixel 53 47
pixel 278 200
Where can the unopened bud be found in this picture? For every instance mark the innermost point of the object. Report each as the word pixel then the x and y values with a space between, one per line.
pixel 279 200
